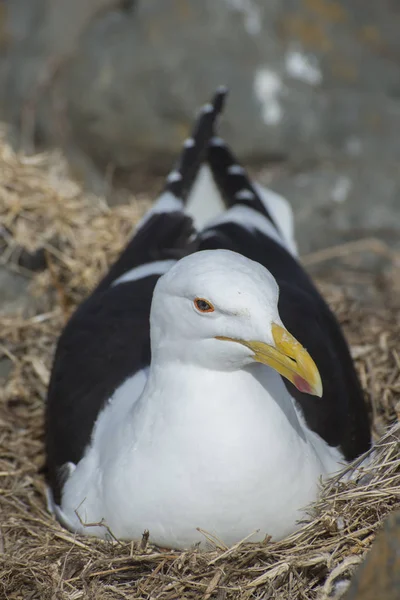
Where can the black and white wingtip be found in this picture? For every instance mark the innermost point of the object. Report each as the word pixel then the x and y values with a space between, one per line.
pixel 194 149
pixel 233 180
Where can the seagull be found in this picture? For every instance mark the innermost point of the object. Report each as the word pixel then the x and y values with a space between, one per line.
pixel 204 388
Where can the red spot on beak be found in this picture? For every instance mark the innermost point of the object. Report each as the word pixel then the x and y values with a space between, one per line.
pixel 302 385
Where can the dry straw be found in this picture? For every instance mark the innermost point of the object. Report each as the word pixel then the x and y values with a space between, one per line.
pixel 77 237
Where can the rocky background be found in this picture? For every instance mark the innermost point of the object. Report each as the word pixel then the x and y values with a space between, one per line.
pixel 315 95
pixel 314 110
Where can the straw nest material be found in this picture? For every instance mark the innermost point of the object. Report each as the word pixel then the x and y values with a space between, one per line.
pixel 43 213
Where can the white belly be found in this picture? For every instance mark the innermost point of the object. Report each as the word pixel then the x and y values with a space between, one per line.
pixel 225 458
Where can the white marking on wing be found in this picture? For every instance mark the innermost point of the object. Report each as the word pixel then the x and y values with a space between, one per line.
pixel 235 170
pixel 166 203
pixel 207 108
pixel 157 267
pixel 174 176
pixel 244 194
pixel 250 219
pixel 282 214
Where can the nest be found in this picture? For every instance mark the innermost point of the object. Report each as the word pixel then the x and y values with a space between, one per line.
pixel 47 220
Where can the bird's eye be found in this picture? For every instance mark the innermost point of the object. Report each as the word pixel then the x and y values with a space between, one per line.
pixel 203 305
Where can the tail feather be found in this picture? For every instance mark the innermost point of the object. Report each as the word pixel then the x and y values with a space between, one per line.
pixel 247 200
pixel 181 179
pixel 209 186
pixel 232 179
pixel 184 178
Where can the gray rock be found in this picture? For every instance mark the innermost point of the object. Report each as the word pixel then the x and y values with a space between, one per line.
pixel 378 578
pixel 14 294
pixel 6 367
pixel 149 70
pixel 339 201
pixel 314 84
pixel 306 77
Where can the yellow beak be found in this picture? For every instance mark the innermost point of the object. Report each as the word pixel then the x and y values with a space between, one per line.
pixel 287 357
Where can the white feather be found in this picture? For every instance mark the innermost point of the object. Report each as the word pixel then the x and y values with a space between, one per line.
pixel 251 219
pixel 167 202
pixel 204 202
pixel 157 267
pixel 282 213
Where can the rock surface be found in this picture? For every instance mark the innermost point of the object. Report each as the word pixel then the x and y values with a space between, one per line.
pixel 14 298
pixel 378 578
pixel 314 86
pixel 14 293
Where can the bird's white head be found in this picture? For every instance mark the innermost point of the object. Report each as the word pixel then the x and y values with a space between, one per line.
pixel 218 309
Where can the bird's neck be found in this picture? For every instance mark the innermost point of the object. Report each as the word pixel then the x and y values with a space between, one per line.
pixel 192 403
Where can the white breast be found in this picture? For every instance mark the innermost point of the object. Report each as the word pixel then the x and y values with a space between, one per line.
pixel 222 456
